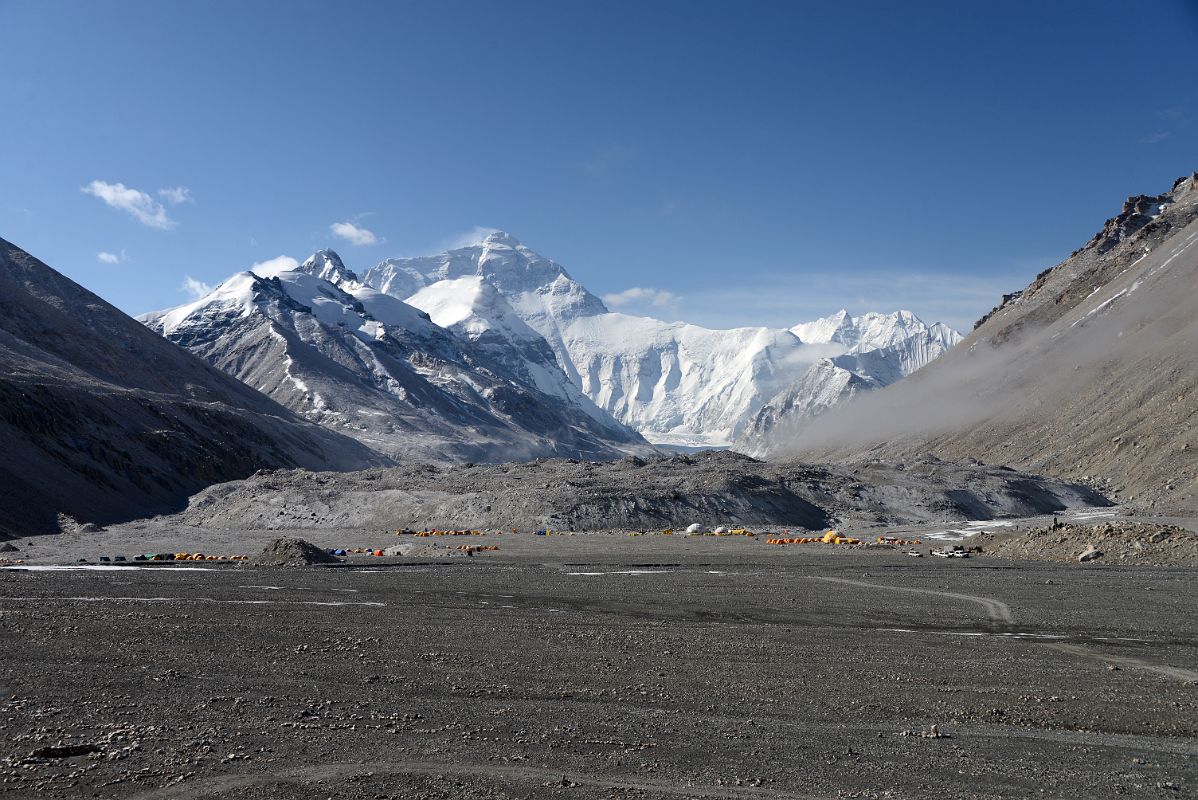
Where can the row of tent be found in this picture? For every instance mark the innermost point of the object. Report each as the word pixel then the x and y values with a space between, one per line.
pixel 170 557
pixel 831 537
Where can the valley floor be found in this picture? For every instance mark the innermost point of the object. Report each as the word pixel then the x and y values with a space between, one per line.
pixel 602 666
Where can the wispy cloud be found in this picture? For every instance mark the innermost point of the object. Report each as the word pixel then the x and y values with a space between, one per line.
pixel 469 238
pixel 104 257
pixel 273 266
pixel 176 195
pixel 1154 138
pixel 609 158
pixel 354 234
pixel 141 206
pixel 196 289
pixel 642 298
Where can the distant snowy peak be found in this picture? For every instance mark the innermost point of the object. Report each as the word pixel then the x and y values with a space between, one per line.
pixel 879 349
pixel 328 266
pixel 824 330
pixel 520 274
pixel 873 330
pixel 358 309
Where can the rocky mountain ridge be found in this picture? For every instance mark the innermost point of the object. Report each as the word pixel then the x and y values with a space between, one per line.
pixel 364 363
pixel 102 421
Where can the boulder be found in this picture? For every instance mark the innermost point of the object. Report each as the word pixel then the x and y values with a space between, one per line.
pixel 1090 554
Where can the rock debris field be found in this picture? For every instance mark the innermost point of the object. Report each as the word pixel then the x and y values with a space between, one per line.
pixel 609 662
pixel 713 488
pixel 599 666
pixel 1116 541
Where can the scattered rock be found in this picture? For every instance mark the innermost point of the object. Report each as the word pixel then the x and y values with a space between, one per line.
pixel 1114 540
pixel 927 733
pixel 8 547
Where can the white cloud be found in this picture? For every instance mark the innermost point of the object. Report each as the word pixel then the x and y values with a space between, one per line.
pixel 354 234
pixel 144 208
pixel 273 266
pixel 470 238
pixel 176 195
pixel 637 296
pixel 196 289
pixel 105 257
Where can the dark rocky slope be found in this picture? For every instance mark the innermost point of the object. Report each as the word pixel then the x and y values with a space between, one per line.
pixel 103 420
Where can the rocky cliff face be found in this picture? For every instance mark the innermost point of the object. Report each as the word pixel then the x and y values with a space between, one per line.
pixel 102 420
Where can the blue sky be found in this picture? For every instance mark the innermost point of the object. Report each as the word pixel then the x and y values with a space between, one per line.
pixel 742 163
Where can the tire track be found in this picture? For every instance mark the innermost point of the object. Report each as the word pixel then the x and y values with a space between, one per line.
pixel 537 775
pixel 999 611
pixel 996 610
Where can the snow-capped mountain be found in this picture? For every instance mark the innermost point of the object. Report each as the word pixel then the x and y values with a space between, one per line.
pixel 538 290
pixel 881 350
pixel 873 331
pixel 676 383
pixel 322 343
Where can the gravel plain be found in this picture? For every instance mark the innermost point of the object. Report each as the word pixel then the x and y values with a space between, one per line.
pixel 601 665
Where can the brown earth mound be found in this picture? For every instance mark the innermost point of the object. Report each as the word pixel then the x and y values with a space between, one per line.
pixel 289 552
pixel 1118 543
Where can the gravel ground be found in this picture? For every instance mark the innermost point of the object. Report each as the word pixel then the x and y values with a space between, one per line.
pixel 603 666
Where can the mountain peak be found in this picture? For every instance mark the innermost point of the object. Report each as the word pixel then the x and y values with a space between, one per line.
pixel 497 236
pixel 327 265
pixel 485 238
